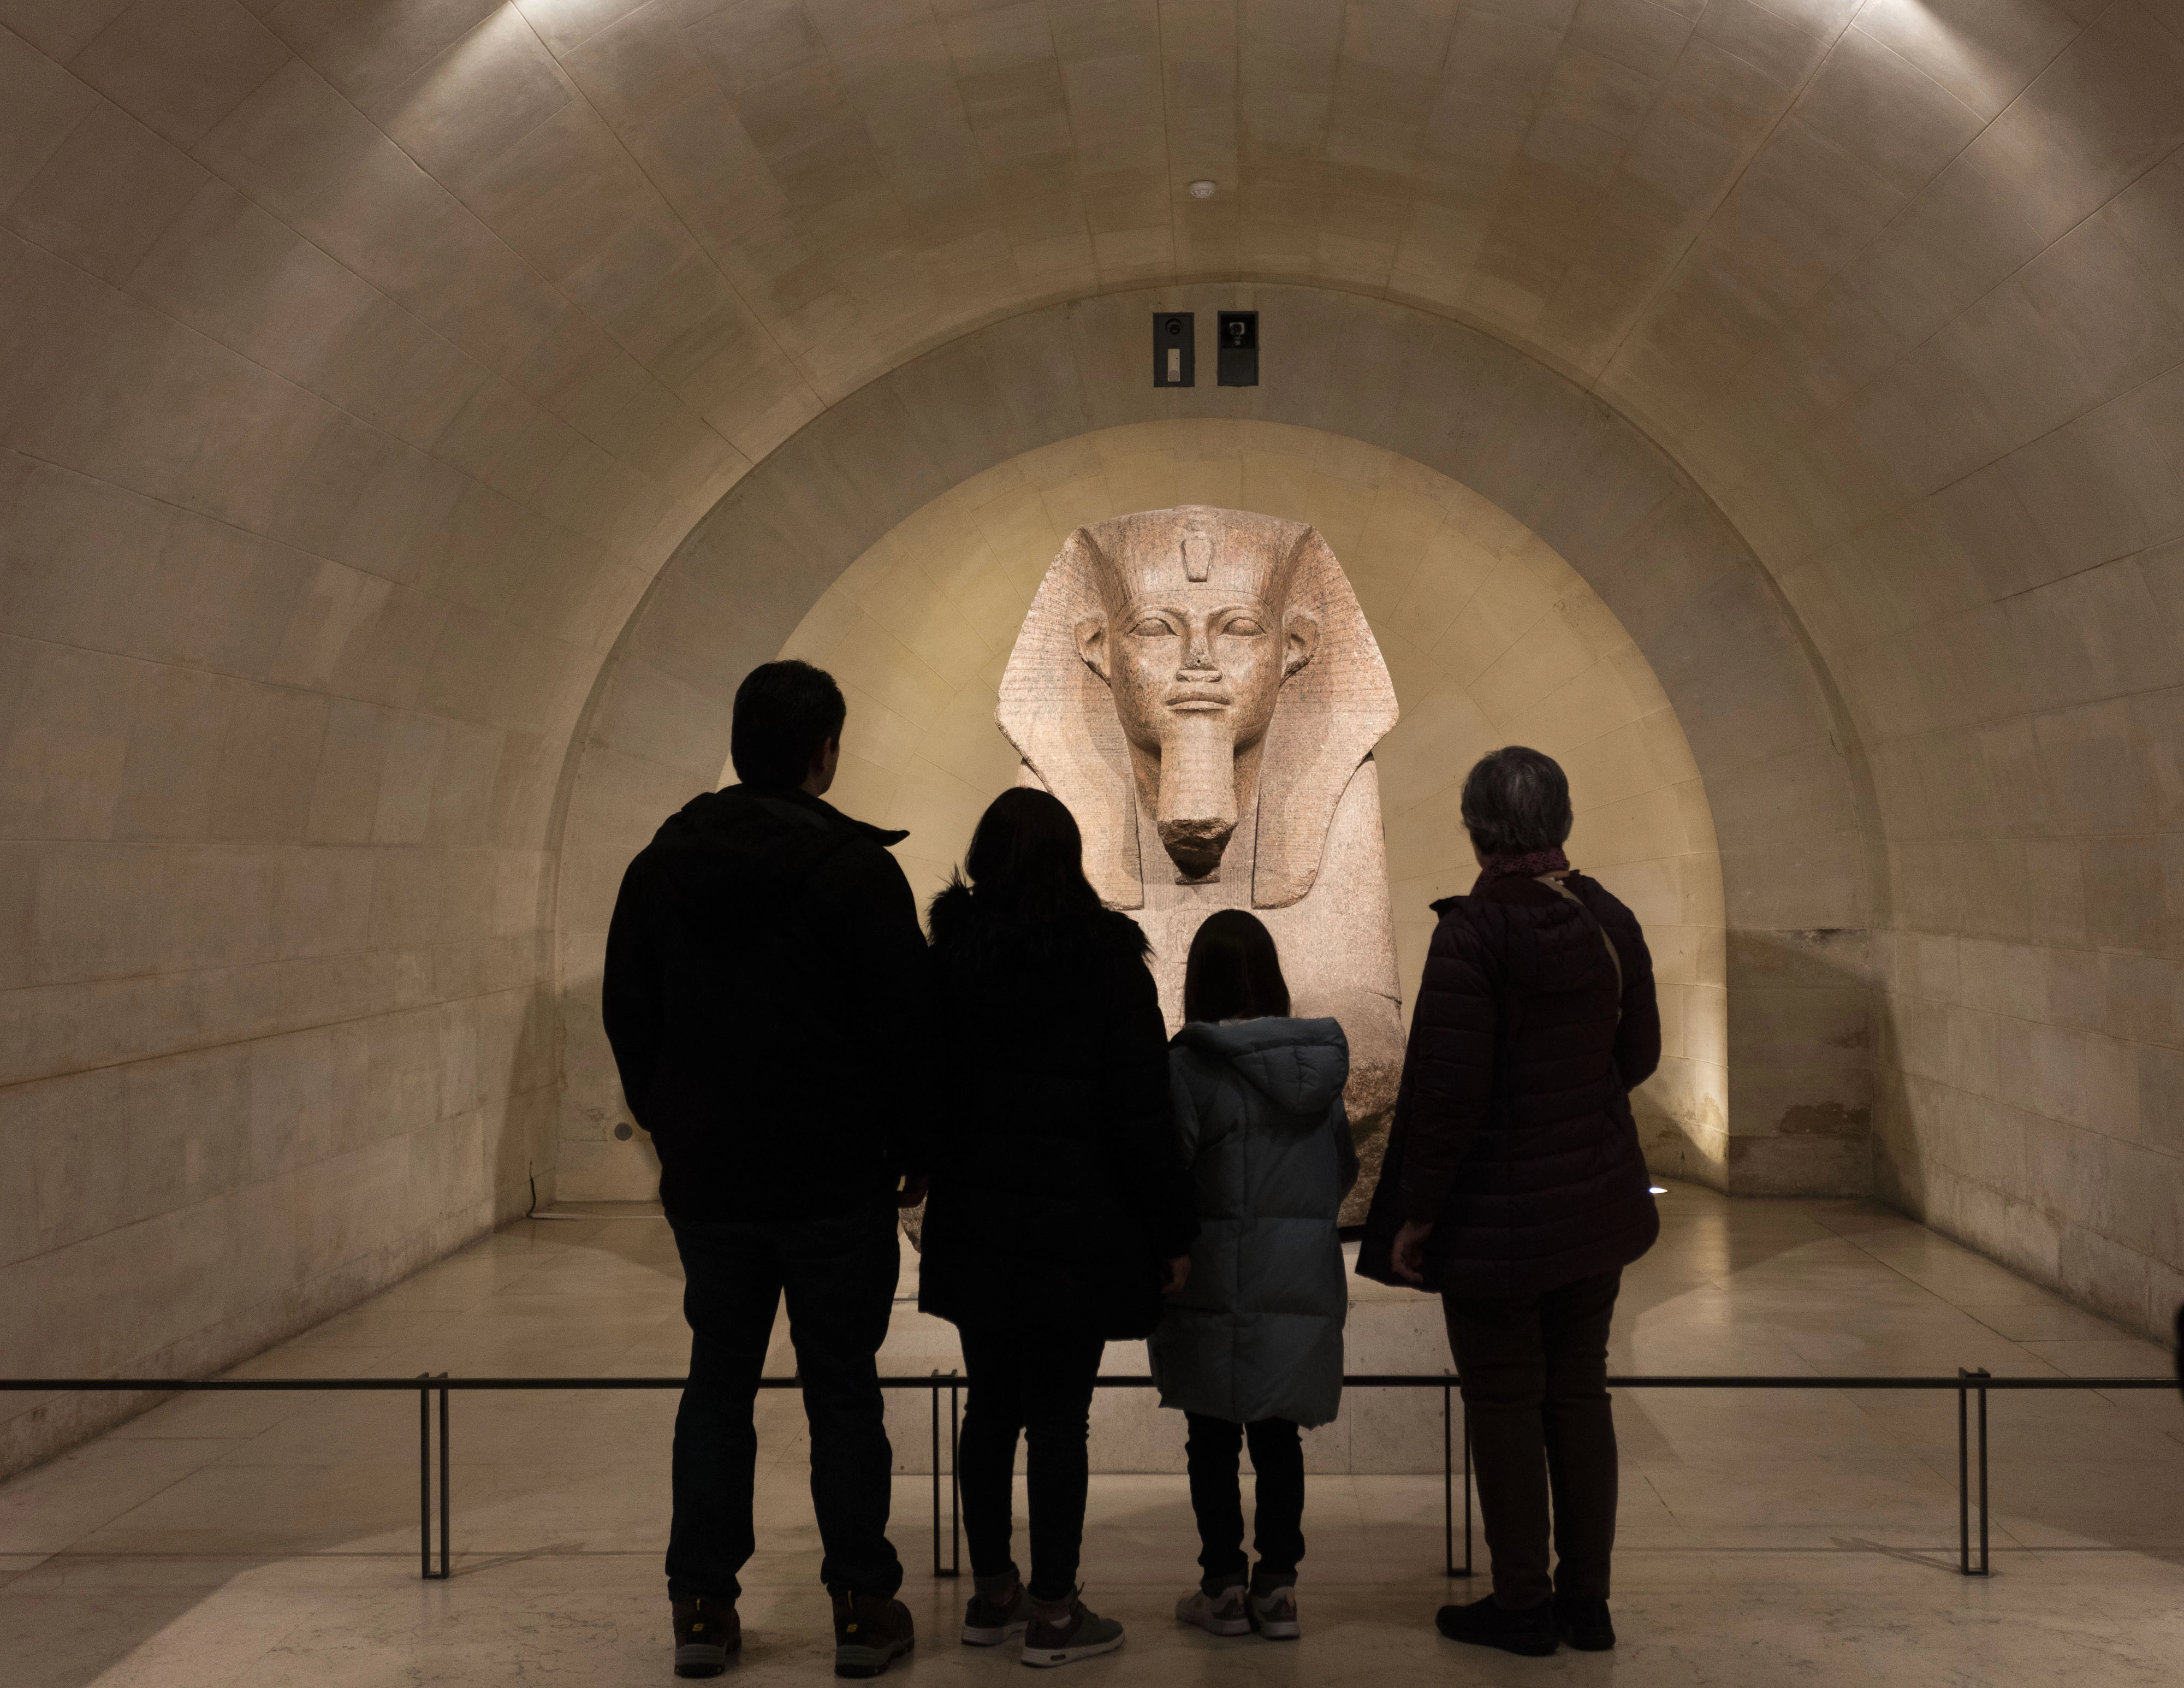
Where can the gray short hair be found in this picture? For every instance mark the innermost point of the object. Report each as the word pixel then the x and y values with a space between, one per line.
pixel 1516 801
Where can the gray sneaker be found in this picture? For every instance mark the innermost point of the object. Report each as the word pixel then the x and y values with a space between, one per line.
pixel 1274 1615
pixel 1218 1614
pixel 1078 1633
pixel 995 1615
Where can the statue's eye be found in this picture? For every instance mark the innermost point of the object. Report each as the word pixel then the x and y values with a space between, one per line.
pixel 1244 625
pixel 1152 627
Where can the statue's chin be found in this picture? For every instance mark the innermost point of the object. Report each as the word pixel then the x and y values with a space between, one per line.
pixel 1195 846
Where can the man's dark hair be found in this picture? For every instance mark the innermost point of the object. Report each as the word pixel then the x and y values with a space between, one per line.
pixel 786 713
pixel 1234 971
pixel 1516 801
pixel 1026 858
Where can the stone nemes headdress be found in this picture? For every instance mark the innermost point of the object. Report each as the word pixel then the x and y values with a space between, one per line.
pixel 1329 713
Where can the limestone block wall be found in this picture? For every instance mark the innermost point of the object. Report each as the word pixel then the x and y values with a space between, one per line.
pixel 360 364
pixel 318 506
pixel 1947 407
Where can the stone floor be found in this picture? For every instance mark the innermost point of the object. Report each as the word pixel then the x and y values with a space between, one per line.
pixel 267 1539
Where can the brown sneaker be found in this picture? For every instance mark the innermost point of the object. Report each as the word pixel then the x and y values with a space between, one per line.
pixel 870 1632
pixel 707 1635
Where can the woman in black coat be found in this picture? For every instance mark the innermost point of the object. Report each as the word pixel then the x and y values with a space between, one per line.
pixel 1060 1211
pixel 1515 1187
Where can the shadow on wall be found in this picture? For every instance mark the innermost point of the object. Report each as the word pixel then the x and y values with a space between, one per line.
pixel 489 1075
pixel 525 1161
pixel 2037 1145
pixel 1801 1036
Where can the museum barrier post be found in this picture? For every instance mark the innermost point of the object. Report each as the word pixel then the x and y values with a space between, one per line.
pixel 1966 1383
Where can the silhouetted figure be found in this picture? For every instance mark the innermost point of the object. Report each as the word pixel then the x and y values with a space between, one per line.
pixel 1060 1209
pixel 1514 1186
pixel 1251 1346
pixel 768 994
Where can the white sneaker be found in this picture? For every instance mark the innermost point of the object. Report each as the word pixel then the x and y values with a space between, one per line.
pixel 1274 1613
pixel 1218 1614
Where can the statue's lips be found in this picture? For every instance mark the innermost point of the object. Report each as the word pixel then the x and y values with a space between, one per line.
pixel 1196 702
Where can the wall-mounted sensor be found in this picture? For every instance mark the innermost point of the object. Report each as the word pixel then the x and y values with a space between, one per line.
pixel 1238 360
pixel 624 1132
pixel 1173 346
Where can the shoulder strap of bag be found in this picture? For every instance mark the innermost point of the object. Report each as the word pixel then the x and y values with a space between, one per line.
pixel 1614 957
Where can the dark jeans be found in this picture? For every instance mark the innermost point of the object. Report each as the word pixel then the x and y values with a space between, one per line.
pixel 1217 1498
pixel 1535 1380
pixel 1042 1386
pixel 838 1273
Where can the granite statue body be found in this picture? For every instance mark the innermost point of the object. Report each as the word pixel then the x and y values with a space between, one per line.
pixel 1201 688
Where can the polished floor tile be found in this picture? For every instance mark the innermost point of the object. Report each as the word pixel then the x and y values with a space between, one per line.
pixel 258 1541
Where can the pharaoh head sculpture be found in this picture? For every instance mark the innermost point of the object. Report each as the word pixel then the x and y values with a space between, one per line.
pixel 1209 668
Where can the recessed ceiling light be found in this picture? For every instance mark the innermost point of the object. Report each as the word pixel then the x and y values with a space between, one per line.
pixel 1202 190
pixel 1656 1189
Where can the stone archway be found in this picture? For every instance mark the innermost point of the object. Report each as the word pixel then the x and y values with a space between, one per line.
pixel 895 459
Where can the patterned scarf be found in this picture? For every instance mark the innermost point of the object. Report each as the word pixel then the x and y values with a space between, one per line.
pixel 1528 865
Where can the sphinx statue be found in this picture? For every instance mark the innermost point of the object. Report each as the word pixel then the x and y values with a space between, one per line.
pixel 1200 686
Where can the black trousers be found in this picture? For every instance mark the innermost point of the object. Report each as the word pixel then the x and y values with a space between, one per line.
pixel 838 1273
pixel 1217 1498
pixel 1040 1386
pixel 1542 1433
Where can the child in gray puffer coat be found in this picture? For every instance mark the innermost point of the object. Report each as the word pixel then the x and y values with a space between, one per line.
pixel 1251 1345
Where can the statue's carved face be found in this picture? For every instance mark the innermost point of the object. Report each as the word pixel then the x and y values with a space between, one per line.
pixel 1184 673
pixel 1195 667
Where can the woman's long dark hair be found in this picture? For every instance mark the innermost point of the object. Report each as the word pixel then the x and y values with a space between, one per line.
pixel 1027 859
pixel 1234 971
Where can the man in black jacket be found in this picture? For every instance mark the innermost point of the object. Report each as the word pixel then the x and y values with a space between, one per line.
pixel 767 996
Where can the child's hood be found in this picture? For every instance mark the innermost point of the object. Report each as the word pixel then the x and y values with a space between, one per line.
pixel 1301 1065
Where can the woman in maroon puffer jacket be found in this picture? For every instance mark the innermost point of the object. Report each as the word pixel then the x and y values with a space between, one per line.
pixel 1515 1187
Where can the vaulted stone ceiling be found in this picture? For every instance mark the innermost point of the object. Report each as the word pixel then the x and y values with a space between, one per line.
pixel 361 362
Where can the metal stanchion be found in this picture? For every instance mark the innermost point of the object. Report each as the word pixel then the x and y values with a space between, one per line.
pixel 424 1380
pixel 1447 1488
pixel 1467 1488
pixel 1963 1485
pixel 955 1483
pixel 424 1478
pixel 447 1506
pixel 1965 1383
pixel 933 1398
pixel 1984 1565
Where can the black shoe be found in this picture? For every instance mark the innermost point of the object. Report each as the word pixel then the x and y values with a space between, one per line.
pixel 872 1631
pixel 1584 1624
pixel 1486 1625
pixel 707 1635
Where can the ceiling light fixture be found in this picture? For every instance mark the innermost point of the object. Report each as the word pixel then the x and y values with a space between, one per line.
pixel 1202 190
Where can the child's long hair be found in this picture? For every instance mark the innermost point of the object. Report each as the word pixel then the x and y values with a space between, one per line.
pixel 1234 971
